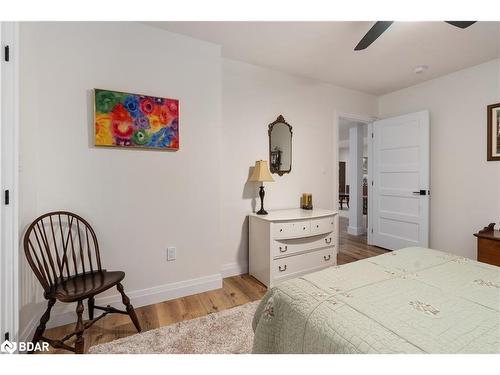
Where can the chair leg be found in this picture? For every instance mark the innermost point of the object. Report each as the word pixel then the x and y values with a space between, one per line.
pixel 80 341
pixel 91 304
pixel 43 321
pixel 129 307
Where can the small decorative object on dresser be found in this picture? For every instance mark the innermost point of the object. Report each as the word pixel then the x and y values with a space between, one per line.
pixel 488 245
pixel 306 201
pixel 261 174
pixel 290 243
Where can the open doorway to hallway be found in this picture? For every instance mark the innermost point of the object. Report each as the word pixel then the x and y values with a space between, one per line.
pixel 353 191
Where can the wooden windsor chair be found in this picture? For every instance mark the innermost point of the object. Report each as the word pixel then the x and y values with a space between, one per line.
pixel 62 250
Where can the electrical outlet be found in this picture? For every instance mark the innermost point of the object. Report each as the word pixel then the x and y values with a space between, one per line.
pixel 171 253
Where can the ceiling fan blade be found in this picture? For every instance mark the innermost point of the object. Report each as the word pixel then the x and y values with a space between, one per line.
pixel 373 34
pixel 461 24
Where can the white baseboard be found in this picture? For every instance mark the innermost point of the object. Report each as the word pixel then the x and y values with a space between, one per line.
pixel 65 313
pixel 356 231
pixel 233 269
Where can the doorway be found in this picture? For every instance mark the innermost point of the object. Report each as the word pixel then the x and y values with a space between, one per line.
pixel 353 175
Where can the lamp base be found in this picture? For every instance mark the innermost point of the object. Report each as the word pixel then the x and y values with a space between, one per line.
pixel 261 195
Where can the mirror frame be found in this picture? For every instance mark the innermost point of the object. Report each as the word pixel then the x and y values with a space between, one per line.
pixel 279 120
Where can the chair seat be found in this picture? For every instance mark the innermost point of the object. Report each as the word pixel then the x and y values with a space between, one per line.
pixel 86 285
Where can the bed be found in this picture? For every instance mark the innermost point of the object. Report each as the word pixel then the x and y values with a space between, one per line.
pixel 413 300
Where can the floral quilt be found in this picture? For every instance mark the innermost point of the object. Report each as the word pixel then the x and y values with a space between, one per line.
pixel 413 300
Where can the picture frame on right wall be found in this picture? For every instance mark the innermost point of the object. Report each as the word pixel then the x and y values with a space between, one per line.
pixel 494 132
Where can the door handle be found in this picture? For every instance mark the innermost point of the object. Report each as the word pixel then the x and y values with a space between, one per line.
pixel 328 240
pixel 285 249
pixel 420 192
pixel 282 269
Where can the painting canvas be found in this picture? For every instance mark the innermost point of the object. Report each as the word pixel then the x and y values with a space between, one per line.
pixel 494 132
pixel 135 121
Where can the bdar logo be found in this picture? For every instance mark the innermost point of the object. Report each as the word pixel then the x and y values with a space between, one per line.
pixel 8 347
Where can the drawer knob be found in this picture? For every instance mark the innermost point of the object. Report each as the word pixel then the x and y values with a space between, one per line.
pixel 281 230
pixel 328 240
pixel 327 257
pixel 303 228
pixel 283 249
pixel 281 269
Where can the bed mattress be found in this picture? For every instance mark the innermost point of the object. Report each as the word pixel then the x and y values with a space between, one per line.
pixel 413 300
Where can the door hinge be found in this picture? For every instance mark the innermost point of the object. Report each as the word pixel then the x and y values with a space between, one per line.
pixel 372 230
pixel 372 135
pixel 7 53
pixel 7 197
pixel 7 336
pixel 372 182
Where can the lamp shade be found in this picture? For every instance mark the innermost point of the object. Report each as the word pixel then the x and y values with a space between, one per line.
pixel 261 172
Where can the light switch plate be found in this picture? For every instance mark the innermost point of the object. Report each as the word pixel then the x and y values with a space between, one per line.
pixel 171 253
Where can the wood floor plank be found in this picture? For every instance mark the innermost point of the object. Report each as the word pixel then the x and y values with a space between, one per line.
pixel 216 300
pixel 232 289
pixel 169 312
pixel 193 306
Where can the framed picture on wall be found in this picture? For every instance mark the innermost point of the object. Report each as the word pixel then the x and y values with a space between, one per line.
pixel 135 120
pixel 494 132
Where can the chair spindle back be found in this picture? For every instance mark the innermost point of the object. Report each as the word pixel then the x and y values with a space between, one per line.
pixel 59 245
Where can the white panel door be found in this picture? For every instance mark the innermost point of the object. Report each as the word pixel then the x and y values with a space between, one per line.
pixel 399 203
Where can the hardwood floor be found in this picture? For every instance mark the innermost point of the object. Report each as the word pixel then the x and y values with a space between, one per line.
pixel 235 291
pixel 352 248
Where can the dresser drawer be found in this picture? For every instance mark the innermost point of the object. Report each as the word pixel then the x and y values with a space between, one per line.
pixel 322 225
pixel 281 248
pixel 290 229
pixel 296 265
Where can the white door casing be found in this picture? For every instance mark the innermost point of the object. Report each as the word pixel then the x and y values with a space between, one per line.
pixel 9 244
pixel 399 201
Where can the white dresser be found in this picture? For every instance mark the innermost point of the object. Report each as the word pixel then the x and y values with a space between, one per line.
pixel 289 243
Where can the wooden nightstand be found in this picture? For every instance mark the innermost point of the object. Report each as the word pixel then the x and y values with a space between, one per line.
pixel 488 245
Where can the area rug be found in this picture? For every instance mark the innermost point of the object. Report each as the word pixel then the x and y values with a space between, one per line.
pixel 225 332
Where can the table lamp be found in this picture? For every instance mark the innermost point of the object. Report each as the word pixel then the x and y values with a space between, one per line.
pixel 261 174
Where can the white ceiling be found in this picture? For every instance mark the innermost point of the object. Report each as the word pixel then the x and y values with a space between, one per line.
pixel 324 50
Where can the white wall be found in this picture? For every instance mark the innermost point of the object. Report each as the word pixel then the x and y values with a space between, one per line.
pixel 252 97
pixel 465 187
pixel 139 202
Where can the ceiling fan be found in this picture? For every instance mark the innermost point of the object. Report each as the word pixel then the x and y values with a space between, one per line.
pixel 380 26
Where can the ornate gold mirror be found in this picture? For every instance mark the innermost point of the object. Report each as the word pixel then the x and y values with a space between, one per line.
pixel 280 146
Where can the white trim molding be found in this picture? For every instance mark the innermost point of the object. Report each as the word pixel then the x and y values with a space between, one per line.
pixel 234 269
pixel 9 176
pixel 355 231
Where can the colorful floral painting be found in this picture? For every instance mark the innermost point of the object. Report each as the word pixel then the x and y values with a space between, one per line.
pixel 132 120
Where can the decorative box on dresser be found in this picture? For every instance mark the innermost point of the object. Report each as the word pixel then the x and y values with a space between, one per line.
pixel 289 243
